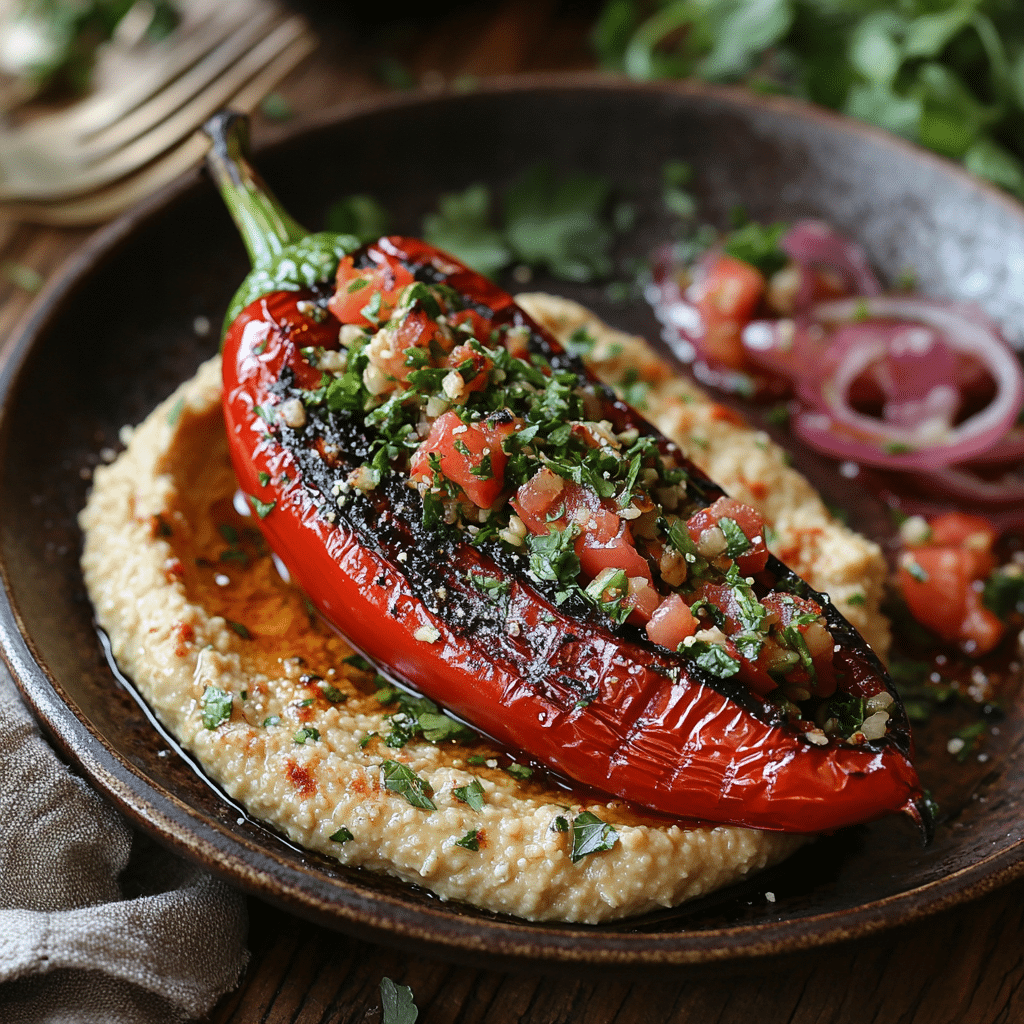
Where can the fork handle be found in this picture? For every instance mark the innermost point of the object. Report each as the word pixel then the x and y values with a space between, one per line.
pixel 264 224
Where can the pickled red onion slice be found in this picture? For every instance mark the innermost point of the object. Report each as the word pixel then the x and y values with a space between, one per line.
pixel 921 351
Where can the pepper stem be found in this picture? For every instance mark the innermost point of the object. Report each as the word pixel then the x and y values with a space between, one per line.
pixel 264 224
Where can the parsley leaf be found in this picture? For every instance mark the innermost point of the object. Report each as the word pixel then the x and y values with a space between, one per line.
pixel 559 223
pixel 396 1003
pixel 470 841
pixel 712 658
pixel 736 540
pixel 342 836
pixel 462 227
pixel 358 215
pixel 307 732
pixel 401 779
pixel 472 793
pixel 553 557
pixel 261 508
pixel 216 706
pixel 590 835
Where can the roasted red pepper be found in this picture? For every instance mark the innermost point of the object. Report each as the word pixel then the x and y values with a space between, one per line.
pixel 466 623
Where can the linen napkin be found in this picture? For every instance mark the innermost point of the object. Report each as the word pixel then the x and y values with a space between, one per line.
pixel 98 925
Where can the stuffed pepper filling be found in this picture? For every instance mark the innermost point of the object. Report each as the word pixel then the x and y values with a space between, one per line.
pixel 477 426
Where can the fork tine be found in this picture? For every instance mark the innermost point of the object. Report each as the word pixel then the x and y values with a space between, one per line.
pixel 173 57
pixel 110 167
pixel 192 83
pixel 101 206
pixel 105 169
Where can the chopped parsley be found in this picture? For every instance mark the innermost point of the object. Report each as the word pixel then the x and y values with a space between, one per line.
pixel 472 793
pixel 519 771
pixel 401 779
pixel 261 508
pixel 553 557
pixel 215 705
pixel 590 835
pixel 307 732
pixel 737 542
pixel 712 658
pixel 470 841
pixel 420 717
pixel 343 835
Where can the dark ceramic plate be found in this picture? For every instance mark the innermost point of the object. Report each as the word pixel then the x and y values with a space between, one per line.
pixel 114 334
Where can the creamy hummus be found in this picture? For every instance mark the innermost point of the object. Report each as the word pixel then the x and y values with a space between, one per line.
pixel 240 670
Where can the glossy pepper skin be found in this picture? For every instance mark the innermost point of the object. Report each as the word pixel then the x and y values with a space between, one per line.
pixel 598 704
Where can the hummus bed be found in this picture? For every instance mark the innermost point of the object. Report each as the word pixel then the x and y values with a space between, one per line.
pixel 194 605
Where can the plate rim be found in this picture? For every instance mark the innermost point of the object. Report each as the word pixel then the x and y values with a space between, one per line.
pixel 377 916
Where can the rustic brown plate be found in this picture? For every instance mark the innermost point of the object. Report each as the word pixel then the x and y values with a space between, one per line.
pixel 115 333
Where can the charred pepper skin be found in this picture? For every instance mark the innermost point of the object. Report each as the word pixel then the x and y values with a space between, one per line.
pixel 599 704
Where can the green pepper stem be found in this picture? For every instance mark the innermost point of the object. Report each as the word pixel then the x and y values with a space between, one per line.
pixel 264 224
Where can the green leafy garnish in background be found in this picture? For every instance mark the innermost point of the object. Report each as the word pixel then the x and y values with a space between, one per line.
pixel 462 227
pixel 397 1006
pixel 565 224
pixel 948 74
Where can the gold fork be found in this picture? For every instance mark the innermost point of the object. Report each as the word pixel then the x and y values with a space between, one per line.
pixel 127 140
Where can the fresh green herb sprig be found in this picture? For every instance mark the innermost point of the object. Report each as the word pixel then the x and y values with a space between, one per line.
pixel 948 75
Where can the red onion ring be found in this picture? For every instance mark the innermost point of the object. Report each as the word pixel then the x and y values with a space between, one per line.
pixel 828 372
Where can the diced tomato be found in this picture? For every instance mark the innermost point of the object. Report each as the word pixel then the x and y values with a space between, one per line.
pixel 536 498
pixel 938 584
pixel 643 599
pixel 479 441
pixel 749 520
pixel 357 286
pixel 415 331
pixel 671 623
pixel 605 540
pixel 481 328
pixel 728 297
pixel 478 376
pixel 959 529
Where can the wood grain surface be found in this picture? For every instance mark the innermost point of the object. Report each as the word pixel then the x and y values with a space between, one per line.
pixel 961 967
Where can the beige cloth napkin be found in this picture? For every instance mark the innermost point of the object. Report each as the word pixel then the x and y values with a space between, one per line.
pixel 98 925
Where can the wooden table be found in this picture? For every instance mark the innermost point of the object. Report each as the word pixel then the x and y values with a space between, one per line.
pixel 964 966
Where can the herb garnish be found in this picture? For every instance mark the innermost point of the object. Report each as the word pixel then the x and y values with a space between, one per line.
pixel 216 706
pixel 401 779
pixel 472 793
pixel 590 835
pixel 470 841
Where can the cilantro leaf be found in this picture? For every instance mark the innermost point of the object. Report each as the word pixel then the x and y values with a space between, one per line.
pixel 401 779
pixel 590 835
